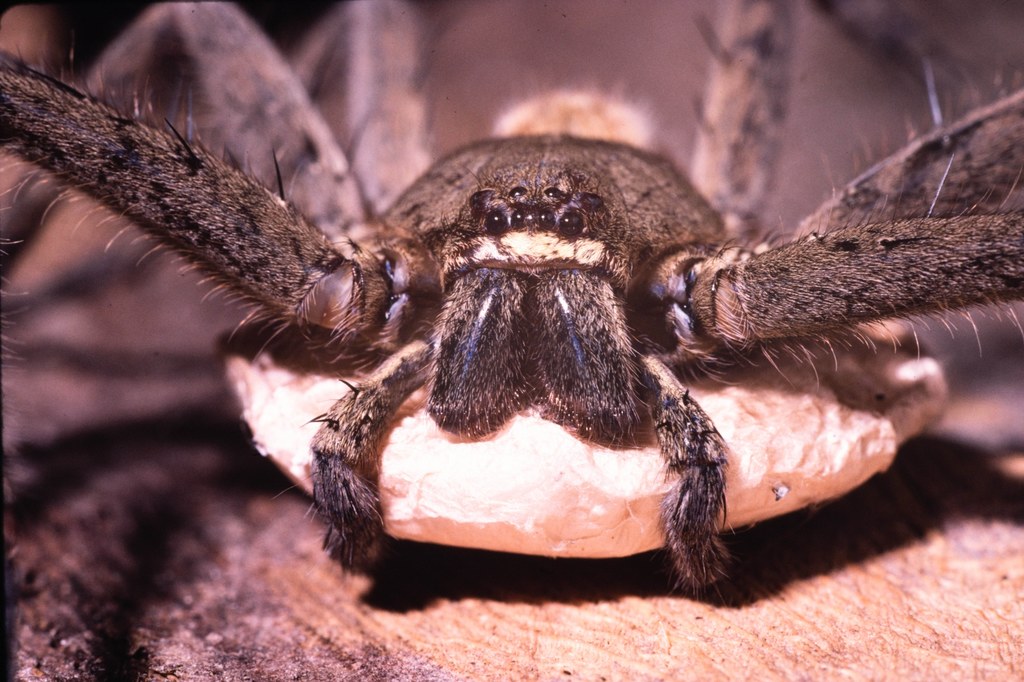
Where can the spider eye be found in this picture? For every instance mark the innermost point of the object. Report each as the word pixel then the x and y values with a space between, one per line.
pixel 517 192
pixel 571 223
pixel 496 222
pixel 518 217
pixel 547 218
pixel 554 193
pixel 478 200
pixel 591 202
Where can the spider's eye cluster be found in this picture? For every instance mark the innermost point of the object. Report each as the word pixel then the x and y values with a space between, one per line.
pixel 552 210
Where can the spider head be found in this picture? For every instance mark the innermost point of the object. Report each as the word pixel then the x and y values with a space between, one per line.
pixel 521 220
pixel 535 226
pixel 530 205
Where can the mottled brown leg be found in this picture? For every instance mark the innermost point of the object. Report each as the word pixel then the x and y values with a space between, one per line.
pixel 361 64
pixel 346 453
pixel 210 69
pixel 972 165
pixel 191 200
pixel 743 110
pixel 826 283
pixel 691 514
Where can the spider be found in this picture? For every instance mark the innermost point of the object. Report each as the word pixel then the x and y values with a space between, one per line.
pixel 580 277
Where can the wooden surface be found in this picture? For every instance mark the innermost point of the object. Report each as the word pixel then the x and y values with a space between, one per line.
pixel 146 540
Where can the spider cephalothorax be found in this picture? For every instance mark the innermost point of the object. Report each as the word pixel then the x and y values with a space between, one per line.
pixel 573 275
pixel 535 265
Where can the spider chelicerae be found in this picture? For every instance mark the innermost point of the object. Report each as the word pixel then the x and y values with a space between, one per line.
pixel 580 277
